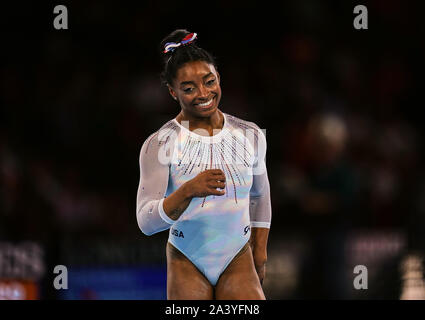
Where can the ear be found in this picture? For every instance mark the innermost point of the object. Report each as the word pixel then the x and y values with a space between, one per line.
pixel 172 92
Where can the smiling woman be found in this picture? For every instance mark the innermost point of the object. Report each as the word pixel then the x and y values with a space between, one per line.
pixel 198 90
pixel 211 189
pixel 196 86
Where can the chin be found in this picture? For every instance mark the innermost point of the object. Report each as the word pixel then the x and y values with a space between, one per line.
pixel 206 113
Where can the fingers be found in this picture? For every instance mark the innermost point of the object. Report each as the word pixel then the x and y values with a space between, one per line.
pixel 215 174
pixel 211 181
pixel 217 177
pixel 221 178
pixel 217 184
pixel 215 171
pixel 216 192
pixel 221 185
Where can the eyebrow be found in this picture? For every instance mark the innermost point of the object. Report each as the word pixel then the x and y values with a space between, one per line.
pixel 191 82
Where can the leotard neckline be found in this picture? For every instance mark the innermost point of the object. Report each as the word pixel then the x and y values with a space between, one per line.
pixel 209 139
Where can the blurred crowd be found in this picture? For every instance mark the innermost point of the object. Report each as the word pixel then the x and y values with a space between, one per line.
pixel 338 106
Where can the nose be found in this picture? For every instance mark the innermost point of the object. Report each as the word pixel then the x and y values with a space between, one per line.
pixel 203 92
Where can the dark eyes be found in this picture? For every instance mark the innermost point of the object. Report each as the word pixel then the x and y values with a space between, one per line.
pixel 190 89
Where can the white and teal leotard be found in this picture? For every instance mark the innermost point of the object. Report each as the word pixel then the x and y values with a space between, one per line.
pixel 212 230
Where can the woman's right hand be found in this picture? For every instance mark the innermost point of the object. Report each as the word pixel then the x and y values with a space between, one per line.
pixel 206 183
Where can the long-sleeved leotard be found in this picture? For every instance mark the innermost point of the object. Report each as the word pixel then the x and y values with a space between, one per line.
pixel 212 230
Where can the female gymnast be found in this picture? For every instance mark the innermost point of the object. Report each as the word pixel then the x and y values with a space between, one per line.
pixel 203 177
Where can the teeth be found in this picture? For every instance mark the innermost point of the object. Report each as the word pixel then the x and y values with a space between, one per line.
pixel 205 104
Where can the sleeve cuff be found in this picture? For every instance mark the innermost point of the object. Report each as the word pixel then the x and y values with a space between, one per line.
pixel 162 213
pixel 257 224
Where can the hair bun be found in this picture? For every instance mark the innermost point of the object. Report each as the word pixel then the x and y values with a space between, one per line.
pixel 179 48
pixel 174 37
pixel 171 46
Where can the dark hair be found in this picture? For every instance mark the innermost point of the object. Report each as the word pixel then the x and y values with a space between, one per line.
pixel 173 60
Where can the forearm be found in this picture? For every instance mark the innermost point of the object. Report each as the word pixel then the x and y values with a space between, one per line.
pixel 155 215
pixel 258 242
pixel 177 202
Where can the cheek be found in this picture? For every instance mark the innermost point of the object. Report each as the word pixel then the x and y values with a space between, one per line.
pixel 215 88
pixel 186 100
pixel 218 90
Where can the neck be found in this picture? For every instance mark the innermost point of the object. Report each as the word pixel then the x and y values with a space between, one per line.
pixel 215 121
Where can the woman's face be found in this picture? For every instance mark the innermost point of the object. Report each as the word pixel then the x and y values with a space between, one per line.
pixel 197 88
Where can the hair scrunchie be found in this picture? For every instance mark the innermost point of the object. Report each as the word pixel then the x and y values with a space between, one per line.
pixel 171 46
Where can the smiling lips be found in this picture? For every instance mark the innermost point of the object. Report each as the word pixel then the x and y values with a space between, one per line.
pixel 205 105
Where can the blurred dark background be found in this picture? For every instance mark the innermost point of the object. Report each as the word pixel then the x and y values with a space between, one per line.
pixel 342 113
